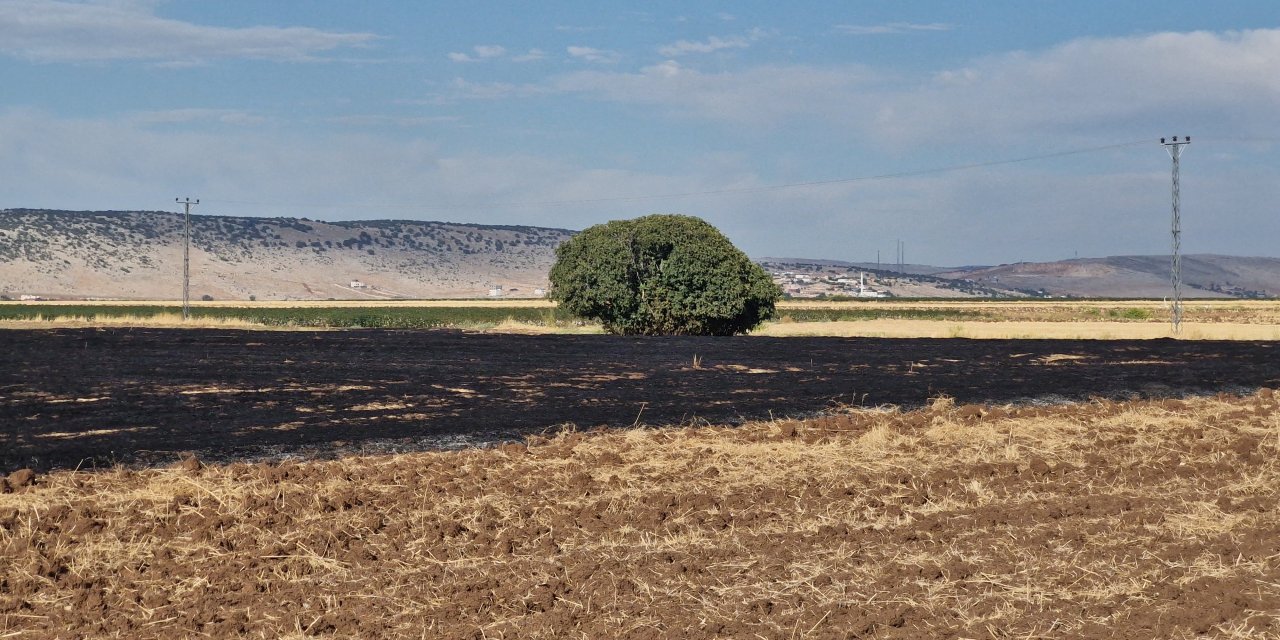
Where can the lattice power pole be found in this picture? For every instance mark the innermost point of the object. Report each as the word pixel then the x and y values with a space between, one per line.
pixel 1174 148
pixel 186 255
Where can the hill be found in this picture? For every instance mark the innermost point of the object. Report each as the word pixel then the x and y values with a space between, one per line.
pixel 1203 276
pixel 138 255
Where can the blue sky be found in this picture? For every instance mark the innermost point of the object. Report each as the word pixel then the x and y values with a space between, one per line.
pixel 568 114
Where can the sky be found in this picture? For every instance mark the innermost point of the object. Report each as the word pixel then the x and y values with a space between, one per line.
pixel 973 132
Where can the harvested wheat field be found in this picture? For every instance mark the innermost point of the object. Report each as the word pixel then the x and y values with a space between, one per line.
pixel 1133 519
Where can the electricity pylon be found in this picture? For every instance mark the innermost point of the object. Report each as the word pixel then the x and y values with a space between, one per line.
pixel 1174 147
pixel 186 255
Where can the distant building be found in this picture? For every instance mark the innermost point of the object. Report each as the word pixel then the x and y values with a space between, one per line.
pixel 866 292
pixel 356 284
pixel 539 292
pixel 495 291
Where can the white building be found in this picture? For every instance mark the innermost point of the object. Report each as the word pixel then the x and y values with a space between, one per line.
pixel 866 292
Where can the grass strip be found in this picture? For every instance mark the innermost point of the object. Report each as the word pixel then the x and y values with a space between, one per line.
pixel 317 317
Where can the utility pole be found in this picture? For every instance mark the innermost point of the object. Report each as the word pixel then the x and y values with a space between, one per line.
pixel 186 255
pixel 1175 148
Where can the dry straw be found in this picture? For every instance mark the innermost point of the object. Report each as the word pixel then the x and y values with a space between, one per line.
pixel 1102 519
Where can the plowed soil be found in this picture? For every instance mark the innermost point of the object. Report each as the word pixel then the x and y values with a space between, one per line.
pixel 96 397
pixel 1134 519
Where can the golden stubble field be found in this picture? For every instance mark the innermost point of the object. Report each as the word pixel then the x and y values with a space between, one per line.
pixel 1043 319
pixel 1141 519
pixel 536 303
pixel 981 319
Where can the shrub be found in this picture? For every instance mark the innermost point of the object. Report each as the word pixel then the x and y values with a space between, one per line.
pixel 1131 313
pixel 661 275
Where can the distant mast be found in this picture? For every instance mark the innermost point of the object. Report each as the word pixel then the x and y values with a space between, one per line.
pixel 186 255
pixel 1175 154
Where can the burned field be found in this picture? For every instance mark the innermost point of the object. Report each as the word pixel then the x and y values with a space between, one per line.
pixel 96 397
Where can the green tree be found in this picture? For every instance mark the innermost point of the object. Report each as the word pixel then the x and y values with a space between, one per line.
pixel 661 275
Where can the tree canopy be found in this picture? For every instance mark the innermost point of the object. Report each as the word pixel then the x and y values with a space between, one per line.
pixel 661 275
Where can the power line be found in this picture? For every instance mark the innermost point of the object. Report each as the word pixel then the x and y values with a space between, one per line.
pixel 711 192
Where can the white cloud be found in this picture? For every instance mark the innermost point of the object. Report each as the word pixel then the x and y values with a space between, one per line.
pixel 395 121
pixel 1103 86
pixel 461 89
pixel 1091 90
pixel 489 50
pixel 891 28
pixel 762 95
pixel 590 54
pixel 189 116
pixel 482 52
pixel 493 52
pixel 714 43
pixel 532 55
pixel 63 31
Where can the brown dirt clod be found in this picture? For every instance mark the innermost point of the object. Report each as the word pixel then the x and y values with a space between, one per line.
pixel 20 478
pixel 1038 467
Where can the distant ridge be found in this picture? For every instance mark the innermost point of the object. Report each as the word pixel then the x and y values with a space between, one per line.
pixel 912 269
pixel 138 255
pixel 1203 275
